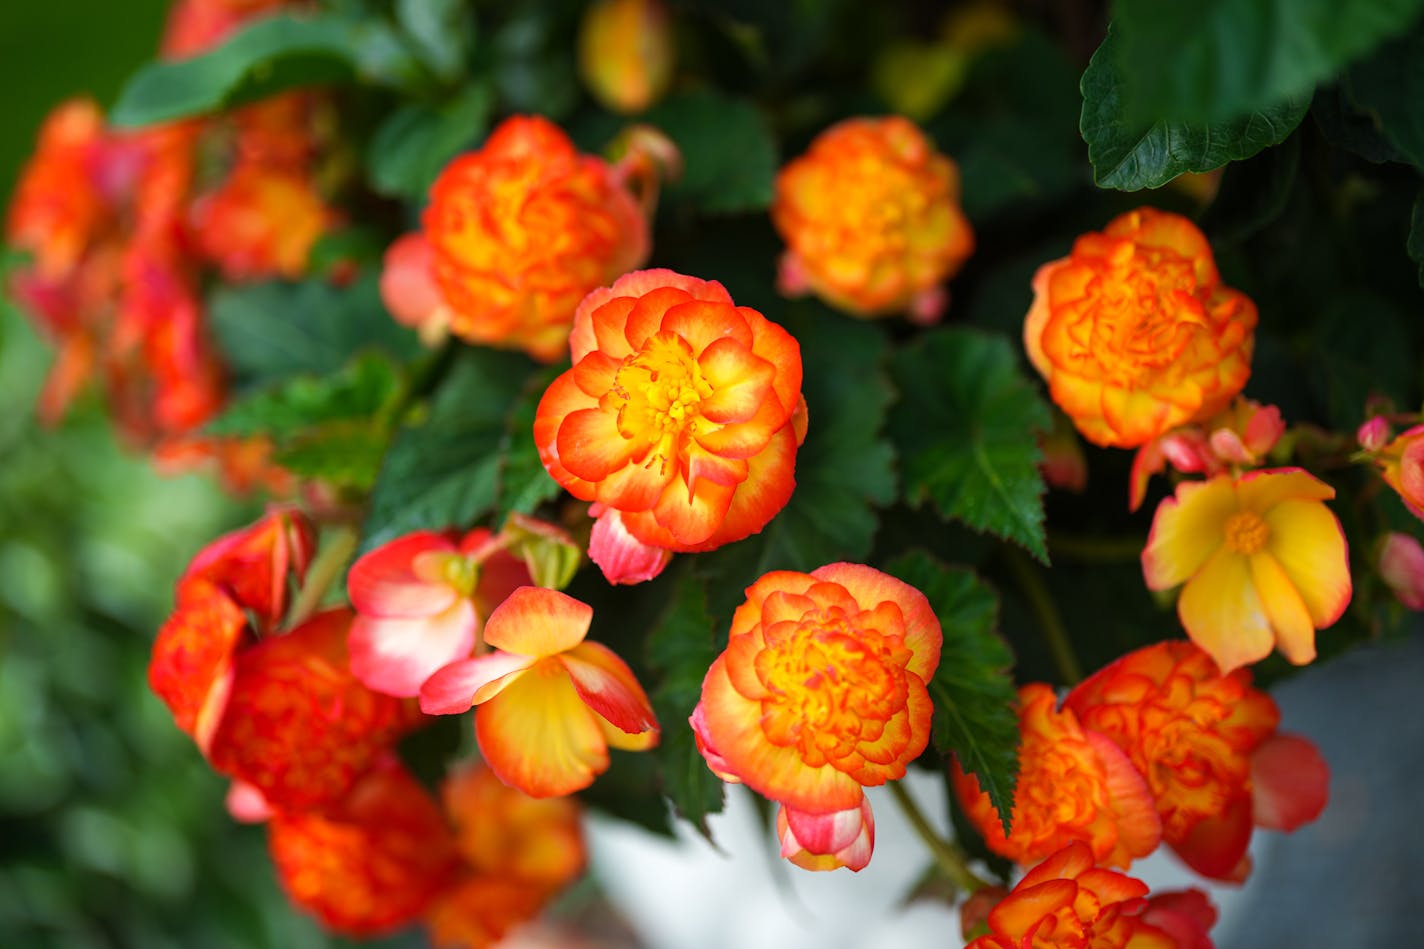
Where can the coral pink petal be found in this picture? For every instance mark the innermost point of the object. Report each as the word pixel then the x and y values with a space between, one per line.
pixel 455 688
pixel 246 804
pixel 383 582
pixel 396 656
pixel 825 833
pixel 408 286
pixel 533 621
pixel 1216 846
pixel 1290 782
pixel 608 686
pixel 623 558
pixel 1139 828
pixel 538 736
pixel 1223 614
pixel 641 282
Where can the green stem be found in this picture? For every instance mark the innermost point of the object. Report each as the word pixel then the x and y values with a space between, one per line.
pixel 1086 549
pixel 323 572
pixel 948 857
pixel 1046 612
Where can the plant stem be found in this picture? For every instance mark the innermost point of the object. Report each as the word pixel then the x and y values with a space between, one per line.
pixel 325 569
pixel 1046 612
pixel 1096 549
pixel 948 857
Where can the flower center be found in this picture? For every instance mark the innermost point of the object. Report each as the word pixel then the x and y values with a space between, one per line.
pixel 661 388
pixel 1246 532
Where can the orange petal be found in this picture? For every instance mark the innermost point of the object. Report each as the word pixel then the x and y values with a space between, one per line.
pixel 692 520
pixel 608 686
pixel 1187 530
pixel 770 481
pixel 1223 614
pixel 701 324
pixel 1308 543
pixel 871 587
pixel 595 373
pixel 740 381
pixel 1022 909
pixel 591 447
pixel 1290 621
pixel 539 736
pixel 1038 316
pixel 1139 828
pixel 534 621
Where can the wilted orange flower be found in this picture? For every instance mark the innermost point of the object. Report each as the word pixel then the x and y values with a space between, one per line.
pixel 1073 784
pixel 261 222
pixel 522 229
pixel 372 864
pixel 626 52
pixel 1401 464
pixel 871 218
pixel 680 414
pixel 1068 903
pixel 821 692
pixel 1135 333
pixel 1195 735
pixel 1263 561
pixel 551 703
pixel 297 725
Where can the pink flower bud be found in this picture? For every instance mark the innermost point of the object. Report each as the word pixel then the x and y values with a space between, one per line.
pixel 623 558
pixel 1401 563
pixel 1374 434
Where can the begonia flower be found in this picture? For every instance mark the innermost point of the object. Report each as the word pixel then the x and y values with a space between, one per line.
pixel 420 601
pixel 1067 902
pixel 820 693
pixel 871 218
pixel 1207 745
pixel 1073 784
pixel 522 229
pixel 1239 436
pixel 261 222
pixel 551 703
pixel 1401 464
pixel 625 53
pixel 1261 560
pixel 681 415
pixel 1135 333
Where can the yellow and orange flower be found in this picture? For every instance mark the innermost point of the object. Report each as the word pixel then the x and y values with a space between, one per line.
pixel 681 415
pixel 261 222
pixel 820 693
pixel 625 53
pixel 1135 333
pixel 551 703
pixel 1263 560
pixel 871 218
pixel 1066 902
pixel 1073 784
pixel 1208 748
pixel 522 230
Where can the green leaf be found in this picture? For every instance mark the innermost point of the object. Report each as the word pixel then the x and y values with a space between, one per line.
pixel 1415 244
pixel 728 150
pixel 271 331
pixel 446 470
pixel 269 56
pixel 1130 154
pixel 524 482
pixel 974 696
pixel 346 454
pixel 532 68
pixel 411 147
pixel 1389 86
pixel 680 650
pixel 440 31
pixel 966 426
pixel 361 390
pixel 1216 60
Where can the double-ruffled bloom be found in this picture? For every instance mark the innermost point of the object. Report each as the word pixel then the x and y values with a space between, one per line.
pixel 550 702
pixel 680 418
pixel 820 693
pixel 1073 784
pixel 871 218
pixel 1135 333
pixel 1261 560
pixel 1208 749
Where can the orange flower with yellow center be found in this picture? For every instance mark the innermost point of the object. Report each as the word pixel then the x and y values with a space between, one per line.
pixel 522 230
pixel 1134 332
pixel 1073 784
pixel 871 218
pixel 1261 560
pixel 681 415
pixel 821 692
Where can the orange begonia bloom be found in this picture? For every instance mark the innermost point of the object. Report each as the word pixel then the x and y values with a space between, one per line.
pixel 1066 902
pixel 681 415
pixel 871 218
pixel 1208 748
pixel 522 230
pixel 372 864
pixel 1073 784
pixel 625 53
pixel 261 222
pixel 1263 561
pixel 820 693
pixel 1135 333
pixel 551 702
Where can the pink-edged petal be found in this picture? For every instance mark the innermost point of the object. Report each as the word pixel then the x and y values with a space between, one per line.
pixel 1139 827
pixel 595 373
pixel 384 581
pixel 1216 847
pixel 1187 530
pixel 1262 490
pixel 591 447
pixel 538 735
pixel 701 324
pixel 608 686
pixel 455 688
pixel 623 558
pixel 1290 782
pixel 825 833
pixel 1308 543
pixel 740 381
pixel 637 487
pixel 396 656
pixel 1290 621
pixel 1030 905
pixel 691 521
pixel 1223 615
pixel 870 587
pixel 715 762
pixel 534 621
pixel 827 841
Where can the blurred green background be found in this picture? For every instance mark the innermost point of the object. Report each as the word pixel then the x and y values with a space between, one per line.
pixel 112 829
